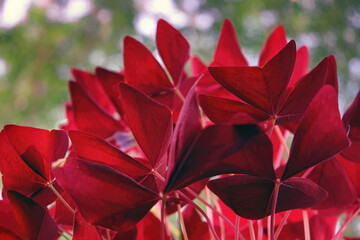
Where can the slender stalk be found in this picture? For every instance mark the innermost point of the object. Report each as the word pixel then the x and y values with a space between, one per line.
pixel 260 233
pixel 237 224
pixel 210 206
pixel 268 226
pixel 282 224
pixel 208 210
pixel 202 212
pixel 163 203
pixel 179 94
pixel 273 121
pixel 251 230
pixel 273 209
pixel 61 198
pixel 348 219
pixel 108 236
pixel 306 224
pixel 307 172
pixel 168 225
pixel 221 221
pixel 181 219
pixel 158 175
pixel 282 140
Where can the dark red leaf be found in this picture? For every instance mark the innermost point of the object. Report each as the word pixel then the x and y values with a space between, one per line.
pixel 35 221
pixel 301 66
pixel 197 66
pixel 221 110
pixel 150 122
pixel 319 136
pixel 187 129
pixel 297 193
pixel 110 82
pixel 351 120
pixel 228 51
pixel 89 116
pixel 260 87
pixel 141 68
pixel 332 177
pixel 331 75
pixel 275 42
pixel 91 85
pixel 95 149
pixel 84 230
pixel 293 107
pixel 7 234
pixel 246 195
pixel 242 149
pixel 117 201
pixel 196 229
pixel 173 49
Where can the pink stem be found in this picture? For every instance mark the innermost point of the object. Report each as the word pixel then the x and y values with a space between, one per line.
pixel 202 212
pixel 210 206
pixel 237 223
pixel 251 230
pixel 273 209
pixel 282 224
pixel 306 224
pixel 260 232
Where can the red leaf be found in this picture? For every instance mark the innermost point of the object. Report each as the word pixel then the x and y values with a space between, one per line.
pixel 89 116
pixel 97 150
pixel 228 51
pixel 332 177
pixel 275 42
pixel 173 49
pixel 351 120
pixel 35 221
pixel 260 87
pixel 331 75
pixel 320 135
pixel 84 230
pixel 141 68
pixel 150 122
pixel 246 195
pixel 301 66
pixel 91 85
pixel 221 110
pixel 242 149
pixel 117 201
pixel 196 229
pixel 7 234
pixel 187 129
pixel 110 82
pixel 297 193
pixel 197 66
pixel 293 107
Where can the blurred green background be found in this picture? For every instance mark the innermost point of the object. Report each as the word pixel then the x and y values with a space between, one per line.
pixel 40 40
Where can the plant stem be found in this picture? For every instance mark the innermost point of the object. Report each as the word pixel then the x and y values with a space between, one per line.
pixel 179 94
pixel 282 224
pixel 273 208
pixel 181 218
pixel 108 236
pixel 237 223
pixel 163 203
pixel 282 140
pixel 202 212
pixel 49 184
pixel 306 224
pixel 260 232
pixel 251 230
pixel 210 206
pixel 348 219
pixel 221 221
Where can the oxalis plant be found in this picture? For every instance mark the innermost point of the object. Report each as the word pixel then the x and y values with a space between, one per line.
pixel 210 146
